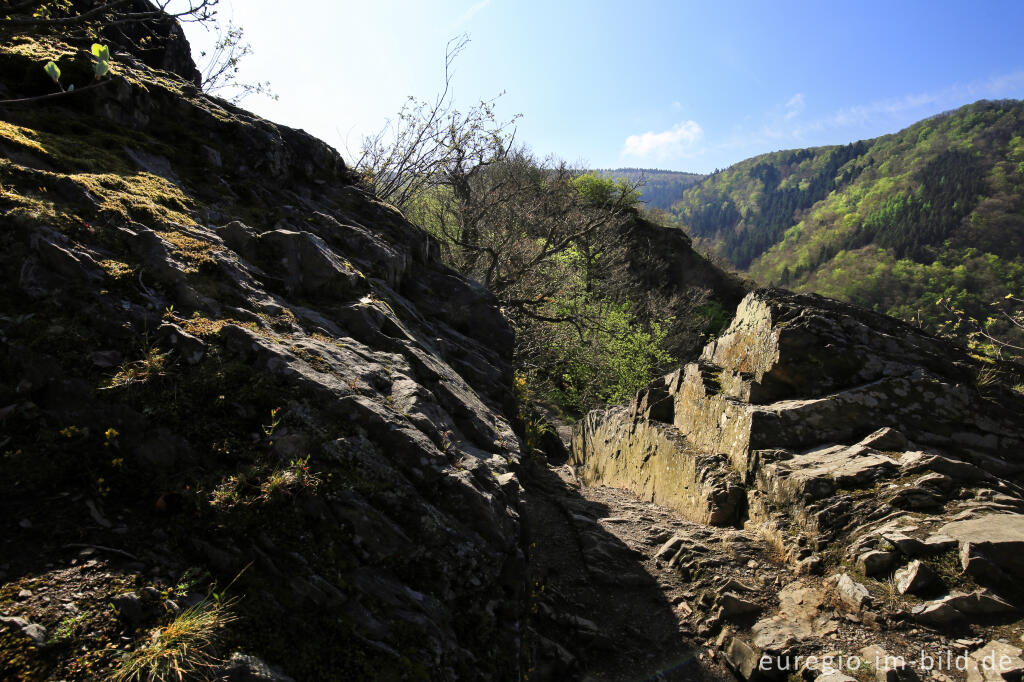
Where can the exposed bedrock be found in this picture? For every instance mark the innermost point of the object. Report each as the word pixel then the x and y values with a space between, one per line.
pixel 793 378
pixel 858 447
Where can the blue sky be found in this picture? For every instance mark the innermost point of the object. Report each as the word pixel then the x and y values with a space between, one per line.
pixel 688 86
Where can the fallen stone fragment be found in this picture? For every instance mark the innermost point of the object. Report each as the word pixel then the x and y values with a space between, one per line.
pixel 802 617
pixel 670 547
pixel 812 565
pixel 906 544
pixel 971 607
pixel 34 631
pixel 129 607
pixel 732 605
pixel 189 348
pixel 915 578
pixel 875 562
pixel 732 584
pixel 852 593
pixel 243 668
pixel 744 659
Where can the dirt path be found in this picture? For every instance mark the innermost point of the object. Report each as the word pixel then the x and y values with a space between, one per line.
pixel 630 590
pixel 606 605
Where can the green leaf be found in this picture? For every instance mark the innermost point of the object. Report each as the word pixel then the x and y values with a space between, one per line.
pixel 101 60
pixel 53 71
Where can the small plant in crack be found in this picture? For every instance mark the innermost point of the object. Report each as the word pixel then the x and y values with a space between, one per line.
pixel 152 365
pixel 275 421
pixel 288 480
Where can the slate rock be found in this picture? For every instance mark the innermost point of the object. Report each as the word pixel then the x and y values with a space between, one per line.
pixel 972 607
pixel 732 605
pixel 915 578
pixel 245 668
pixel 876 563
pixel 129 608
pixel 34 631
pixel 851 592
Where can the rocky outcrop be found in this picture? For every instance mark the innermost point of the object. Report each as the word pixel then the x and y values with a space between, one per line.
pixel 668 282
pixel 804 397
pixel 656 462
pixel 796 372
pixel 225 363
pixel 865 449
pixel 665 261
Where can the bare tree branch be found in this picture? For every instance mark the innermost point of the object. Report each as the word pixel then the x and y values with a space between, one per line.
pixel 193 11
pixel 222 63
pixel 430 141
pixel 56 95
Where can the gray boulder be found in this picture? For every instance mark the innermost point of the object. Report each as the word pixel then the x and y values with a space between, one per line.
pixel 915 578
pixel 245 668
pixel 999 538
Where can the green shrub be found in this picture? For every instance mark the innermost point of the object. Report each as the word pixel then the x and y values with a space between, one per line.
pixel 598 191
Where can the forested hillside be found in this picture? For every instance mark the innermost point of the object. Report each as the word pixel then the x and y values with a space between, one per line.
pixel 896 223
pixel 660 188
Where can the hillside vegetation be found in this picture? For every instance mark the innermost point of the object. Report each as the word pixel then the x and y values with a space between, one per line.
pixel 896 223
pixel 659 188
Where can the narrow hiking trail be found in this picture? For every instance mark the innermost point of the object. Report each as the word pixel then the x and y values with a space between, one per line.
pixel 633 582
pixel 630 590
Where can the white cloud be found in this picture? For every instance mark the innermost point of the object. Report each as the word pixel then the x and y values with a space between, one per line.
pixel 786 128
pixel 676 106
pixel 468 14
pixel 795 105
pixel 1005 84
pixel 677 142
pixel 924 103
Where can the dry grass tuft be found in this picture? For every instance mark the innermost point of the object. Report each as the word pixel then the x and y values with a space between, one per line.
pixel 151 366
pixel 181 650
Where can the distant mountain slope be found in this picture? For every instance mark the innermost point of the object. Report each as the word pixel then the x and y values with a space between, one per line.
pixel 894 223
pixel 661 188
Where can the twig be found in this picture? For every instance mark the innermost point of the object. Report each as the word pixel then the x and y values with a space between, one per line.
pixel 37 21
pixel 104 549
pixel 54 95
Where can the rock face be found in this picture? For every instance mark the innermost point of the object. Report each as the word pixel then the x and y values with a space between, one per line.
pixel 804 396
pixel 796 372
pixel 856 445
pixel 663 263
pixel 991 546
pixel 219 352
pixel 656 462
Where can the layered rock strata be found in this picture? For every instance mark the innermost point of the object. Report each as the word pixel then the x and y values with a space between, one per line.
pixel 857 446
pixel 224 362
